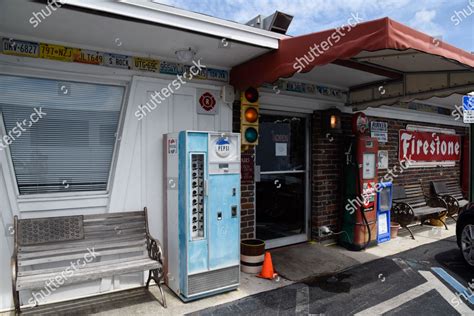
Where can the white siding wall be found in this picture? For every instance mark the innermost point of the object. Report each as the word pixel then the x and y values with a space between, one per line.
pixel 136 182
pixel 6 244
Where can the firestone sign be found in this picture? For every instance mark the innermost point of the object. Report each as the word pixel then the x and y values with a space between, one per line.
pixel 427 146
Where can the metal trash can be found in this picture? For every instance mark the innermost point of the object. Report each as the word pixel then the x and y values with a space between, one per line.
pixel 252 252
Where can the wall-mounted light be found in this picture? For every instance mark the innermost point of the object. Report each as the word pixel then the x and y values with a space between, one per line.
pixel 332 121
pixel 185 55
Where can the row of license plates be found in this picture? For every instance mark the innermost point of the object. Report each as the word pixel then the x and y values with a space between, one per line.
pixel 68 54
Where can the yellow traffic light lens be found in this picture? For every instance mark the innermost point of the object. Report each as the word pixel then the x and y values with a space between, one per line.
pixel 251 115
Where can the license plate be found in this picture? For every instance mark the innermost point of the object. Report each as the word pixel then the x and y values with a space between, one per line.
pixel 88 57
pixel 295 86
pixel 146 64
pixel 57 52
pixel 202 73
pixel 20 48
pixel 171 68
pixel 118 61
pixel 217 74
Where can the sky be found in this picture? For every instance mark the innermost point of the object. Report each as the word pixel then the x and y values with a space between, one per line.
pixel 451 21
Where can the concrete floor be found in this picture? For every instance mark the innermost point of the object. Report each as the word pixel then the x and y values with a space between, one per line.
pixel 299 262
pixel 406 283
pixel 423 235
pixel 140 302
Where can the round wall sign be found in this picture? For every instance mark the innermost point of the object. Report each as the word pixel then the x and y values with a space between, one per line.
pixel 207 101
pixel 360 124
pixel 222 147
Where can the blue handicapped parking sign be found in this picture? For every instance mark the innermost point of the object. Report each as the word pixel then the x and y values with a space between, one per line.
pixel 468 102
pixel 468 107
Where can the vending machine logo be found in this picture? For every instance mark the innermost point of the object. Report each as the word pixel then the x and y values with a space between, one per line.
pixel 223 147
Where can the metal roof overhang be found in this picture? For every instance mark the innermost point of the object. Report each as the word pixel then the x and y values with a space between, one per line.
pixel 153 11
pixel 128 29
pixel 405 64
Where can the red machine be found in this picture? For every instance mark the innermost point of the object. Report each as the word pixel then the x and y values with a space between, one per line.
pixel 360 172
pixel 366 216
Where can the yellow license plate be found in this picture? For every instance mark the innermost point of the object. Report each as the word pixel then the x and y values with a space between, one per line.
pixel 146 64
pixel 57 52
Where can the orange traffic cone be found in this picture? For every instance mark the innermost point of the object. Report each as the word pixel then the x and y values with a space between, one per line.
pixel 267 269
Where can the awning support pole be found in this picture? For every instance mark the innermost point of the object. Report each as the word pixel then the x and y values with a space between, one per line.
pixel 471 158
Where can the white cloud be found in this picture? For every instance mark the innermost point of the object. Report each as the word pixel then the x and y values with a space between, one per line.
pixel 424 21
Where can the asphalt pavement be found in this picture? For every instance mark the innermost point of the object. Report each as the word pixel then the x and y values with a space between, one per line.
pixel 427 280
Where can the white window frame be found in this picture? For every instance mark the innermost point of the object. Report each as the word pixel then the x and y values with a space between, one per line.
pixel 52 201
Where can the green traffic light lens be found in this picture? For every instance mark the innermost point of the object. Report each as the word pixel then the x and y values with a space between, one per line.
pixel 251 135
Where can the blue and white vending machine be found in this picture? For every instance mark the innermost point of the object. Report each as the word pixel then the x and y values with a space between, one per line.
pixel 202 213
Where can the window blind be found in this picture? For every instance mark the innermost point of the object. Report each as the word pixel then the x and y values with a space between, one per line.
pixel 70 147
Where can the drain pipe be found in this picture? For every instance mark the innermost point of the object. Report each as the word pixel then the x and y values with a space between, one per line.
pixel 471 157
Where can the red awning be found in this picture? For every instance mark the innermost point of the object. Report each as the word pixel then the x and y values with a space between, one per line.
pixel 356 49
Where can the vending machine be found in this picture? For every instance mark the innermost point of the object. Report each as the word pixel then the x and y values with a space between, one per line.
pixel 360 199
pixel 202 213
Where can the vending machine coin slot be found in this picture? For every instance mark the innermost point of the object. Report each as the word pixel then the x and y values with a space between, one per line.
pixel 224 167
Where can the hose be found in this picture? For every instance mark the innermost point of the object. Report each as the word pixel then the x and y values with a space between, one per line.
pixel 368 229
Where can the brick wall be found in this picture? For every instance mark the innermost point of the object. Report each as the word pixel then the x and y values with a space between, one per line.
pixel 247 211
pixel 247 220
pixel 327 163
pixel 327 157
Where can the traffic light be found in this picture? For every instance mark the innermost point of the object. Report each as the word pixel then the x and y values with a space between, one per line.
pixel 249 116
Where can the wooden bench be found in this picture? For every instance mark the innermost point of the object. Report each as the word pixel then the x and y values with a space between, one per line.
pixel 451 193
pixel 55 251
pixel 411 204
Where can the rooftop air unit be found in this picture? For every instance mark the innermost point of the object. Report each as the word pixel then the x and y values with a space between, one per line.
pixel 278 22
